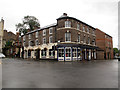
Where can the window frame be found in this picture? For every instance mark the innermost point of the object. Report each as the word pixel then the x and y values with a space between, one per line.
pixel 44 32
pixel 78 26
pixel 29 36
pixel 66 37
pixel 37 34
pixel 50 30
pixel 36 42
pixel 67 24
pixel 79 38
pixel 44 42
pixel 50 39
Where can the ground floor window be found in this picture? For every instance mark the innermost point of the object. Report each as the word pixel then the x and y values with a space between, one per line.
pixel 79 53
pixel 51 52
pixel 29 53
pixel 43 52
pixel 74 51
pixel 68 52
pixel 61 52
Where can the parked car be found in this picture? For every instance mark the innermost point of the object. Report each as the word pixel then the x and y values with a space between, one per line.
pixel 119 58
pixel 2 55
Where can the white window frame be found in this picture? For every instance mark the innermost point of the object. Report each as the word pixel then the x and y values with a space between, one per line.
pixel 79 37
pixel 24 38
pixel 50 30
pixel 61 51
pixel 44 32
pixel 36 42
pixel 67 36
pixel 88 40
pixel 50 39
pixel 37 34
pixel 23 43
pixel 78 26
pixel 67 24
pixel 83 28
pixel 88 30
pixel 93 32
pixel 29 36
pixel 29 43
pixel 84 40
pixel 44 42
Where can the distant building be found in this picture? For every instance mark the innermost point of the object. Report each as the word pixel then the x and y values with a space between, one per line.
pixel 8 38
pixel 1 33
pixel 104 42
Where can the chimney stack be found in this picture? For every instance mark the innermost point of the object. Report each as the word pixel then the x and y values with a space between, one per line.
pixel 65 14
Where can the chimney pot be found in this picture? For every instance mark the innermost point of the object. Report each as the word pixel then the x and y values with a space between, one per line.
pixel 65 14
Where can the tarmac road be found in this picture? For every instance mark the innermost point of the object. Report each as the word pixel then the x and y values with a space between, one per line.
pixel 19 73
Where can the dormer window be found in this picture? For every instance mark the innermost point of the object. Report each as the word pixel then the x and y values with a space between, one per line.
pixel 67 24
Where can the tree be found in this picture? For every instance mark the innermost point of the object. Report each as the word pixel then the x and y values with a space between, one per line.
pixel 28 23
pixel 115 51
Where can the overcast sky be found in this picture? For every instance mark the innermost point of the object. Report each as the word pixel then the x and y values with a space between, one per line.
pixel 102 14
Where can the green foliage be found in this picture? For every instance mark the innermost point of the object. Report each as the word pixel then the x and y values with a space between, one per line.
pixel 29 22
pixel 8 45
pixel 116 50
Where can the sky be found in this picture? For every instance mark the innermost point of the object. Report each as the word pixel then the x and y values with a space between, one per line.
pixel 101 14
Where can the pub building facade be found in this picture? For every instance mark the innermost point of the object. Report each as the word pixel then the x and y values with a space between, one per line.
pixel 67 40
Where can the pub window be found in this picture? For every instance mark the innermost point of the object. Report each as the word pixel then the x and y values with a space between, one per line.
pixel 61 52
pixel 51 52
pixel 74 50
pixel 67 23
pixel 67 36
pixel 43 52
pixel 68 52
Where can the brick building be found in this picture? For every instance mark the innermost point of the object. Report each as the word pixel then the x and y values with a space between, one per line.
pixel 8 36
pixel 8 45
pixel 67 40
pixel 104 42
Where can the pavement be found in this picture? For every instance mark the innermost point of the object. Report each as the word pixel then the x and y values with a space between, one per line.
pixel 19 73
